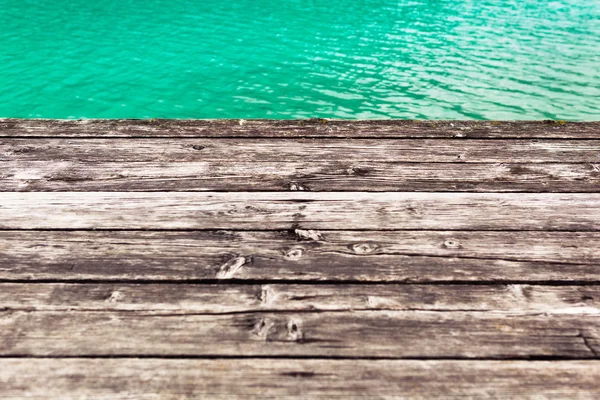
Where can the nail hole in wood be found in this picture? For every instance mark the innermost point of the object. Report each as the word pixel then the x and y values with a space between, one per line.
pixel 451 244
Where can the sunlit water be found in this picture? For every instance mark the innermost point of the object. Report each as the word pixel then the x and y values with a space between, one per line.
pixel 426 59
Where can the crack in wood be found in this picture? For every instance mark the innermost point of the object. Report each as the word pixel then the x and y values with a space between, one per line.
pixel 461 257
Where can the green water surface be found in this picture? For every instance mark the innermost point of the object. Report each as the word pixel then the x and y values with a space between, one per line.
pixel 426 59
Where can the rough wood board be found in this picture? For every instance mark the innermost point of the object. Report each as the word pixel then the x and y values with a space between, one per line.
pixel 114 379
pixel 299 210
pixel 417 256
pixel 92 317
pixel 302 128
pixel 231 151
pixel 320 176
pixel 218 299
pixel 388 334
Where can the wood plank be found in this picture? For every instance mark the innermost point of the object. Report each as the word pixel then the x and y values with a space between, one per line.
pixel 299 210
pixel 350 153
pixel 113 379
pixel 218 299
pixel 302 128
pixel 415 256
pixel 388 334
pixel 319 176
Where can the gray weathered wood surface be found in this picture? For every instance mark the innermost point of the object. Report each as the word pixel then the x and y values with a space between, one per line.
pixel 307 151
pixel 357 333
pixel 305 128
pixel 275 259
pixel 299 164
pixel 237 298
pixel 115 379
pixel 376 256
pixel 299 210
pixel 317 176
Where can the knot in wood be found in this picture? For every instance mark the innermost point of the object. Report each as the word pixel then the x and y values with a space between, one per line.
pixel 263 327
pixel 304 234
pixel 294 253
pixel 198 147
pixel 413 210
pixel 451 244
pixel 231 267
pixel 364 248
pixel 360 171
pixel 294 331
pixel 115 297
pixel 294 186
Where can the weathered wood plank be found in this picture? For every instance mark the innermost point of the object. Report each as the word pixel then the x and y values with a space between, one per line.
pixel 319 176
pixel 347 152
pixel 113 379
pixel 219 299
pixel 389 334
pixel 305 210
pixel 302 128
pixel 417 256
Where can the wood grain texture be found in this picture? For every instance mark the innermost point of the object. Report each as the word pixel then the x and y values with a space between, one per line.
pixel 232 151
pixel 299 210
pixel 302 128
pixel 295 164
pixel 195 259
pixel 115 379
pixel 219 299
pixel 318 176
pixel 415 256
pixel 361 334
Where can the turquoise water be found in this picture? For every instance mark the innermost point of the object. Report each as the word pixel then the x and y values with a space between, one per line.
pixel 426 59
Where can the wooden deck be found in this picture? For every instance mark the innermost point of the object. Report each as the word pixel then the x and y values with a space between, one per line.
pixel 254 259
